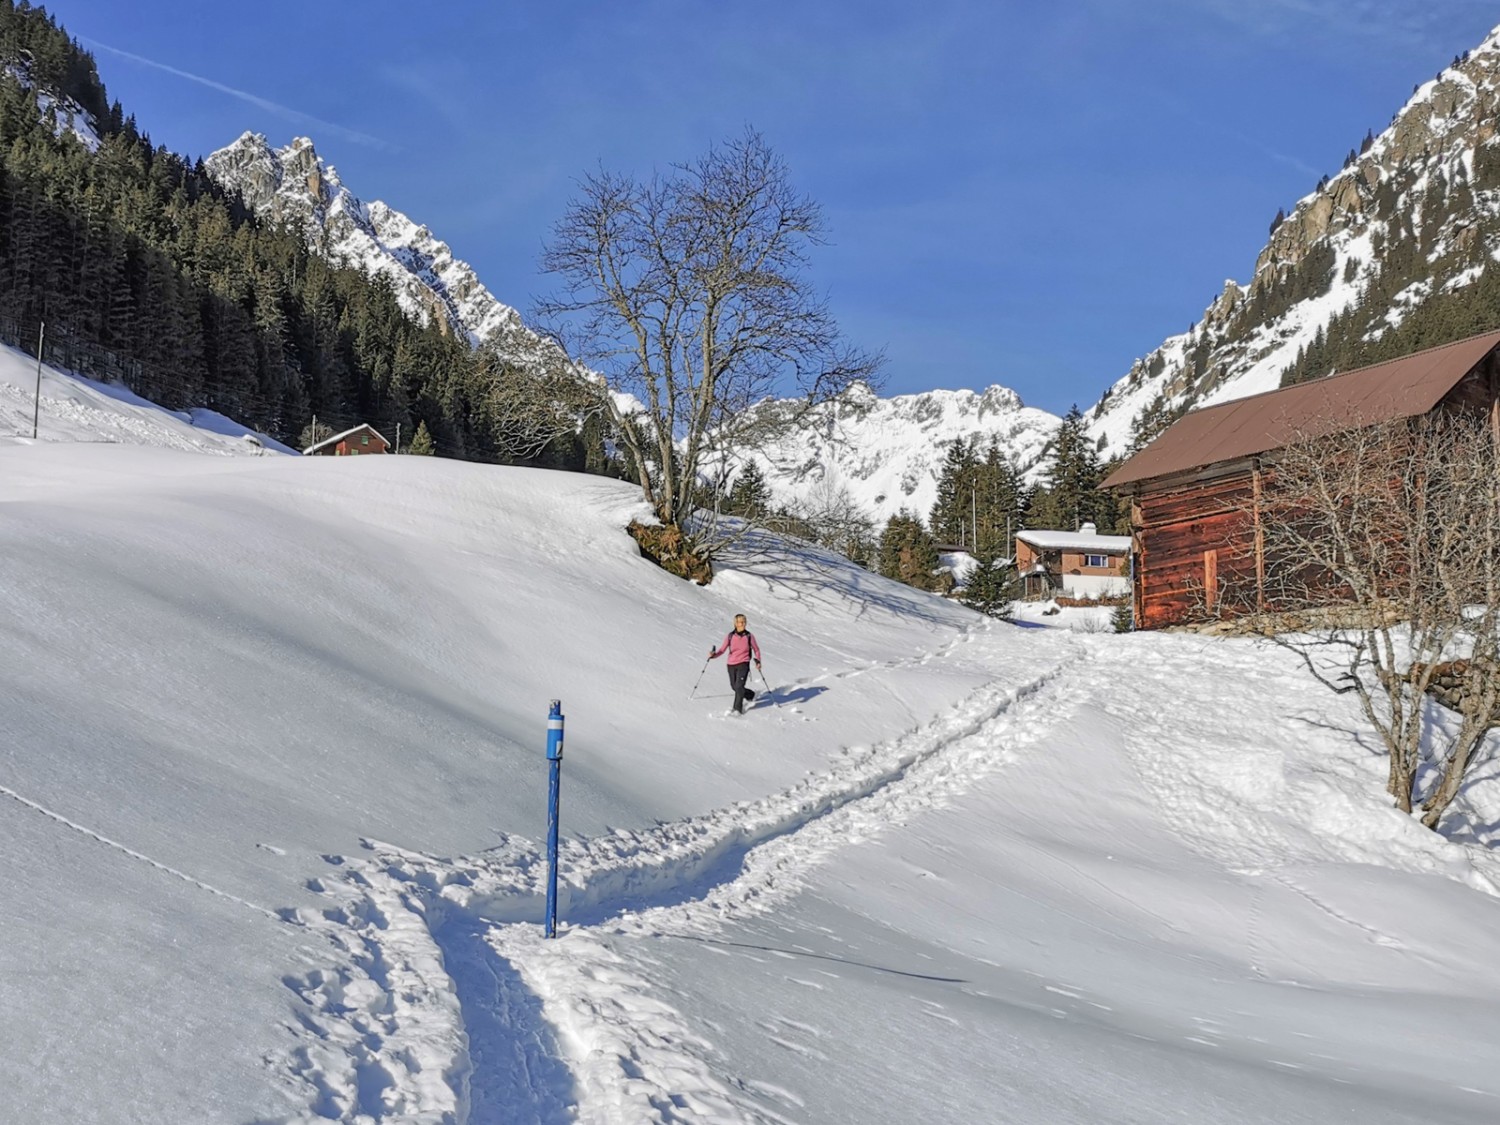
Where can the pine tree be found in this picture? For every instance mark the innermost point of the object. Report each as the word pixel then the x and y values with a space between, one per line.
pixel 908 553
pixel 992 587
pixel 421 443
pixel 750 497
pixel 1001 505
pixel 1071 496
pixel 951 518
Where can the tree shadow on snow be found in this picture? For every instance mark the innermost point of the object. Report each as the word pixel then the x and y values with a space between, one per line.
pixel 814 577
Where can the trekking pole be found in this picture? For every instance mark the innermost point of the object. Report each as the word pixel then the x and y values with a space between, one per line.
pixel 771 695
pixel 694 693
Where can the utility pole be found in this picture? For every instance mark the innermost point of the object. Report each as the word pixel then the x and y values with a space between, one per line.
pixel 36 408
pixel 398 437
pixel 974 516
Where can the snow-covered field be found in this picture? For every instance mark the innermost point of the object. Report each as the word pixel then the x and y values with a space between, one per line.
pixel 273 792
pixel 73 409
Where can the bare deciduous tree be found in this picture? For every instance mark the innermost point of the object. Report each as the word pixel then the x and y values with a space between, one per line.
pixel 533 406
pixel 688 290
pixel 830 517
pixel 1387 541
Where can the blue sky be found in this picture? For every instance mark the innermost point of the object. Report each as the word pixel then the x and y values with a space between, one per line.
pixel 1019 192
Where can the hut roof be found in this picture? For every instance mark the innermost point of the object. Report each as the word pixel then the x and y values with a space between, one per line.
pixel 1399 388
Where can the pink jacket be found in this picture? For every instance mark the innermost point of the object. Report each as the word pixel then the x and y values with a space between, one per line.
pixel 739 646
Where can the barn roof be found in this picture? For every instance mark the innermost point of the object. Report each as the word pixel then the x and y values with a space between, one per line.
pixel 1399 388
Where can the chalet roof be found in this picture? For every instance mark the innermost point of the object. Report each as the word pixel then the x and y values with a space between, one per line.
pixel 1087 540
pixel 336 438
pixel 1399 388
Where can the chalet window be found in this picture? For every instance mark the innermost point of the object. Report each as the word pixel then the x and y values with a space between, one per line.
pixel 1100 561
pixel 364 439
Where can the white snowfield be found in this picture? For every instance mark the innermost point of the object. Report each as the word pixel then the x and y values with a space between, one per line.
pixel 273 788
pixel 74 409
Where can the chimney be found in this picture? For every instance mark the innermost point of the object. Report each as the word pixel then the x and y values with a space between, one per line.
pixel 1088 529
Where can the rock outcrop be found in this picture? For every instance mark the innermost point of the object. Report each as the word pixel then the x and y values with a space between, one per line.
pixel 1412 216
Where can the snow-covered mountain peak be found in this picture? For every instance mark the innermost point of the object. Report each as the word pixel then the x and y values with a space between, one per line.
pixel 293 184
pixel 888 452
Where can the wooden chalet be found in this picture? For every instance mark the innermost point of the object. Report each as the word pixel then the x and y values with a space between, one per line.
pixel 363 438
pixel 1195 492
pixel 1079 564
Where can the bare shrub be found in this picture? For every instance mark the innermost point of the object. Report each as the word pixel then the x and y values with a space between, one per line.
pixel 1385 544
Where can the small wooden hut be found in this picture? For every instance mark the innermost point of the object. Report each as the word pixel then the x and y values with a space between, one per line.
pixel 363 438
pixel 1195 492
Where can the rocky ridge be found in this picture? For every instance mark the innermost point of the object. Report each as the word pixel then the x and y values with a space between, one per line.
pixel 1411 217
pixel 294 185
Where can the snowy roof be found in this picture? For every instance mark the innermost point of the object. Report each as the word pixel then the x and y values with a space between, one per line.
pixel 336 438
pixel 1085 540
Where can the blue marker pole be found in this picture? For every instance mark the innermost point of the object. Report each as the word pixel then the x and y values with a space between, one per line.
pixel 554 761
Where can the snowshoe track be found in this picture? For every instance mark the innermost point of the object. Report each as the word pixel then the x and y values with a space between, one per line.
pixel 396 1030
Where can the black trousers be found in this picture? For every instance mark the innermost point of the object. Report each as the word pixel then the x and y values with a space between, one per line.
pixel 738 675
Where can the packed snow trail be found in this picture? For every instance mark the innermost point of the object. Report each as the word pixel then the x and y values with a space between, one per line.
pixel 413 1000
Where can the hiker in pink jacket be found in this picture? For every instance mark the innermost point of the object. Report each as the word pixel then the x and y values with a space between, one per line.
pixel 740 644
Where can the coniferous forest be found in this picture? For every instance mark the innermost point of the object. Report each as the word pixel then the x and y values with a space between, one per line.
pixel 148 273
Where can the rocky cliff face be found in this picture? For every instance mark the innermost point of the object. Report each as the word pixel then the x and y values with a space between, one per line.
pixel 292 184
pixel 888 452
pixel 1410 225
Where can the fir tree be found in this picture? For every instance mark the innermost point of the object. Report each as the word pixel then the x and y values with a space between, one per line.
pixel 908 552
pixel 992 587
pixel 951 518
pixel 750 497
pixel 421 442
pixel 1071 497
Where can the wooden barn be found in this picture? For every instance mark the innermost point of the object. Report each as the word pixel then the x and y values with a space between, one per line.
pixel 1195 493
pixel 363 438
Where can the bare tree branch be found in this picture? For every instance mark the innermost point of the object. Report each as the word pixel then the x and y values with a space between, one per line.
pixel 689 292
pixel 1384 544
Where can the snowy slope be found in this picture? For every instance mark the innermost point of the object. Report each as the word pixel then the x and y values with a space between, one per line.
pixel 1415 213
pixel 888 452
pixel 75 409
pixel 293 184
pixel 68 117
pixel 236 666
pixel 272 773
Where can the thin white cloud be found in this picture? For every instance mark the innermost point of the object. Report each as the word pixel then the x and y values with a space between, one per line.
pixel 286 112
